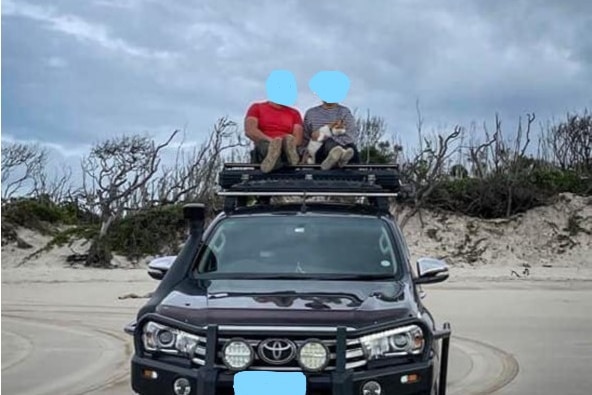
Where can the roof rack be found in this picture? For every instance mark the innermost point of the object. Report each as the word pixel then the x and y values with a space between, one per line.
pixel 240 181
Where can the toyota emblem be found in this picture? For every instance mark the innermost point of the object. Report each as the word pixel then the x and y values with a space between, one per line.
pixel 277 351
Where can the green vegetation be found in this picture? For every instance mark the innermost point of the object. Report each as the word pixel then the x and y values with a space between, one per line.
pixel 154 231
pixel 151 231
pixel 42 214
pixel 490 197
pixel 132 207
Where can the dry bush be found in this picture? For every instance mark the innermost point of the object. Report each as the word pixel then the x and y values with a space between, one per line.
pixel 505 179
pixel 21 165
pixel 571 143
pixel 124 176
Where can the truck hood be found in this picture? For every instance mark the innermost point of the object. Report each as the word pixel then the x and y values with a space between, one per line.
pixel 288 302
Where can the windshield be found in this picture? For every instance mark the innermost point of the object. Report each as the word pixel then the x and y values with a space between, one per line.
pixel 300 246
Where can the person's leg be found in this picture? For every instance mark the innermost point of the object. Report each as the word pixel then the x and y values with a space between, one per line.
pixel 268 154
pixel 260 151
pixel 290 150
pixel 323 150
pixel 329 154
pixel 350 155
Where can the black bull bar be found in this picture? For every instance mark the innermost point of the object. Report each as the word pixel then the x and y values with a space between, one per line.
pixel 341 378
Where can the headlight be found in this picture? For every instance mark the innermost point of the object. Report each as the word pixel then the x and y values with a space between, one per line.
pixel 313 356
pixel 407 340
pixel 237 354
pixel 158 337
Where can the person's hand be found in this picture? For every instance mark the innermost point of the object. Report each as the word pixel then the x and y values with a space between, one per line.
pixel 315 135
pixel 334 124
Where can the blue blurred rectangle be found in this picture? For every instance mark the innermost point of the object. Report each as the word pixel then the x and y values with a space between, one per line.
pixel 269 383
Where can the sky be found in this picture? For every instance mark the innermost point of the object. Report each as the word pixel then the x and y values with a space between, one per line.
pixel 75 72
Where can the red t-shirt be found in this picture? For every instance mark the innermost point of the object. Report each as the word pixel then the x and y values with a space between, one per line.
pixel 274 121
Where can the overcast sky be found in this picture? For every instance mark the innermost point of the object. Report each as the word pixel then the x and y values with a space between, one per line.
pixel 77 71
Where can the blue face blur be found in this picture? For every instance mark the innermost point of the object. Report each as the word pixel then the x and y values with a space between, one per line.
pixel 330 86
pixel 281 87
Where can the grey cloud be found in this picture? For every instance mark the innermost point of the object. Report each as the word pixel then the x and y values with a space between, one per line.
pixel 83 70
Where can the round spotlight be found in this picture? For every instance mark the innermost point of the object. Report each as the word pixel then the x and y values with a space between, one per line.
pixel 181 386
pixel 237 354
pixel 371 388
pixel 313 356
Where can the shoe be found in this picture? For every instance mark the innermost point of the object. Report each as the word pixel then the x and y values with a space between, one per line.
pixel 348 154
pixel 331 160
pixel 274 151
pixel 291 151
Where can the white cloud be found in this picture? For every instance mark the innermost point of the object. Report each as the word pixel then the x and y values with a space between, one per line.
pixel 119 4
pixel 80 29
pixel 57 62
pixel 64 152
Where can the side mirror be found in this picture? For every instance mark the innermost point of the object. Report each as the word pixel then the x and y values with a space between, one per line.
pixel 431 270
pixel 158 267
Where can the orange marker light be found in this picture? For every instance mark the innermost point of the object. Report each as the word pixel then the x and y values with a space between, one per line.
pixel 149 374
pixel 410 378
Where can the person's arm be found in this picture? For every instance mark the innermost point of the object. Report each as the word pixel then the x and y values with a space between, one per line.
pixel 309 134
pixel 297 129
pixel 351 127
pixel 252 130
pixel 298 133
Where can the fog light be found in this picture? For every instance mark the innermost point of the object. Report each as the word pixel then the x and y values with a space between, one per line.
pixel 181 386
pixel 149 374
pixel 313 356
pixel 237 354
pixel 371 388
pixel 409 379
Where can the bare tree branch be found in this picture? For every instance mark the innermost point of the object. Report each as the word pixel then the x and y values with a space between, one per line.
pixel 26 160
pixel 117 168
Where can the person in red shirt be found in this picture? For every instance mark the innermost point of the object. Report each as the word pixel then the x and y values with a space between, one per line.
pixel 276 131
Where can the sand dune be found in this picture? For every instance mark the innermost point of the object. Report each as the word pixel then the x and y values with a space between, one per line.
pixel 551 242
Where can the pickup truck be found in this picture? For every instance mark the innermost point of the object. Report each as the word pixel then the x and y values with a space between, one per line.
pixel 324 289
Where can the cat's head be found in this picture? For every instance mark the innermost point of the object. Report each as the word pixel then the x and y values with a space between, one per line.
pixel 339 124
pixel 338 127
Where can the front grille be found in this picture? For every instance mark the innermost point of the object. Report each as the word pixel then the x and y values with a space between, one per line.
pixel 354 355
pixel 200 352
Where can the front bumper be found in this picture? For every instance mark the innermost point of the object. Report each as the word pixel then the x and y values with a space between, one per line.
pixel 214 381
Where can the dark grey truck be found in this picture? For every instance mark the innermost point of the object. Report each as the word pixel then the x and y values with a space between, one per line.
pixel 323 288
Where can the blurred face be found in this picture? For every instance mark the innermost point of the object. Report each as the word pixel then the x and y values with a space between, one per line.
pixel 281 87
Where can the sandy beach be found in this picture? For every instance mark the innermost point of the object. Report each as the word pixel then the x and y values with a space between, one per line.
pixel 518 299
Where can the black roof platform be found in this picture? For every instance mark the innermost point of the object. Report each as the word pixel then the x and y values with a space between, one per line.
pixel 377 183
pixel 384 176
